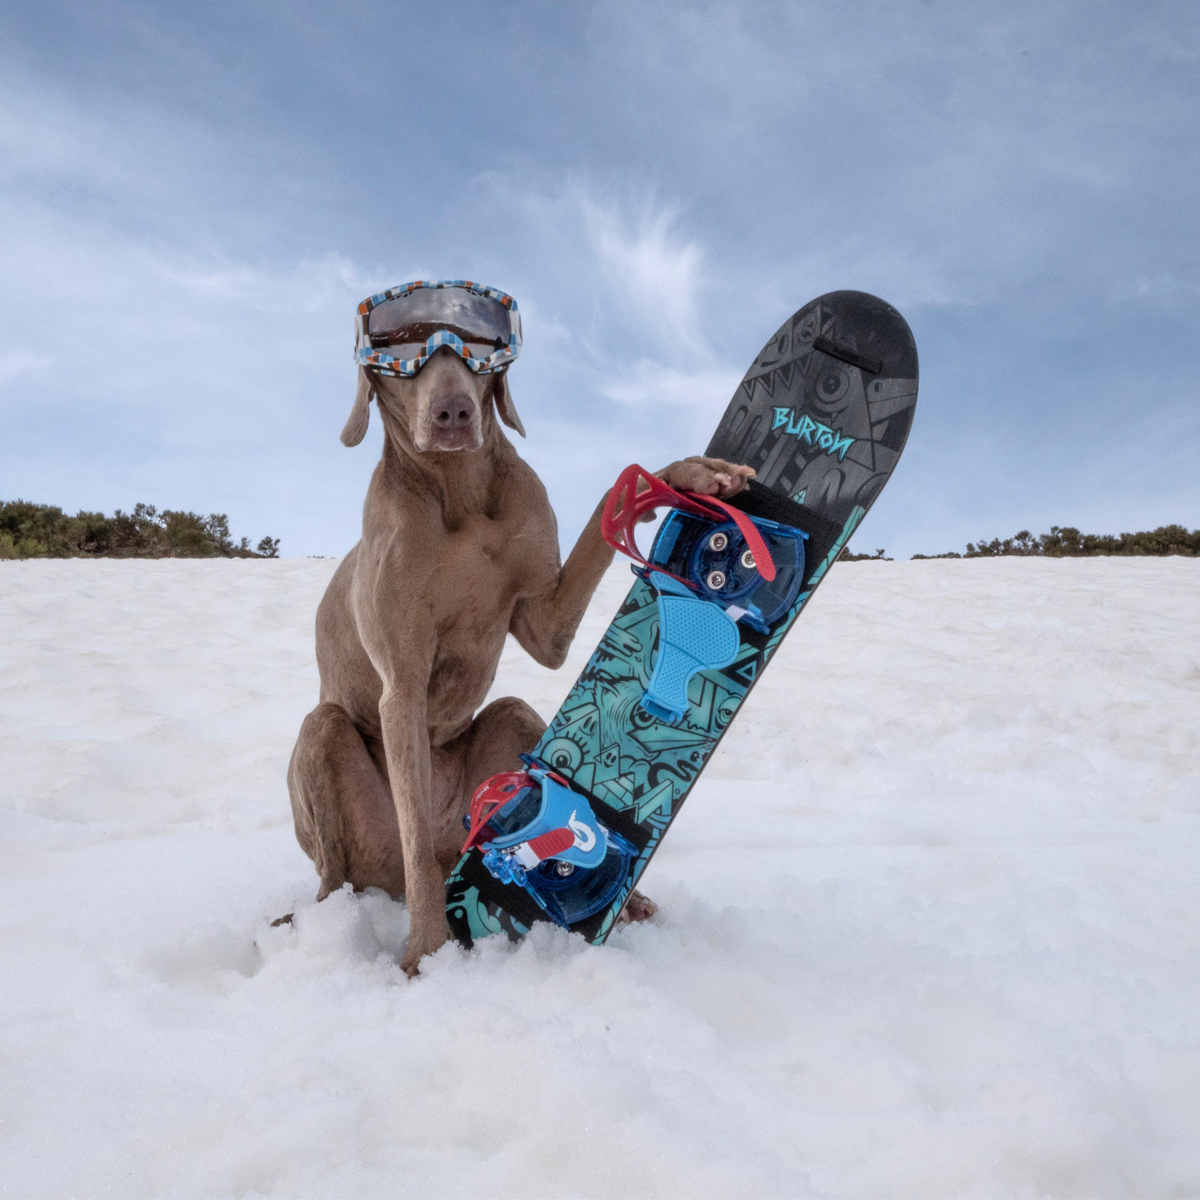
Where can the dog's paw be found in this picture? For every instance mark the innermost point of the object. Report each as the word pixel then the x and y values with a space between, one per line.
pixel 637 908
pixel 419 946
pixel 708 476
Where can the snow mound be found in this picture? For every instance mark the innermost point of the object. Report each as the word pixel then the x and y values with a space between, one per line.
pixel 927 928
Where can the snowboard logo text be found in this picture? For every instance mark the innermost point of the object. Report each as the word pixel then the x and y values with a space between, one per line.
pixel 813 432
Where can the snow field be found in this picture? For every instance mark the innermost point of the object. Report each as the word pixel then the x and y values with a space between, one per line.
pixel 928 923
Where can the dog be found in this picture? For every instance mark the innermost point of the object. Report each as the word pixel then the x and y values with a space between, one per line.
pixel 459 548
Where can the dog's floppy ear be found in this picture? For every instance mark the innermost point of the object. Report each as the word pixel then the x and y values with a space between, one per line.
pixel 504 403
pixel 360 414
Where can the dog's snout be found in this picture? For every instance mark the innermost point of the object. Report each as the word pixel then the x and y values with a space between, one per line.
pixel 453 412
pixel 447 405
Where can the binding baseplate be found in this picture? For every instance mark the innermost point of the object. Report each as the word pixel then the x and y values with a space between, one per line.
pixel 712 566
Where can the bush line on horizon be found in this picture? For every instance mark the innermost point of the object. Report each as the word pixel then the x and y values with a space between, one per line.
pixel 1068 542
pixel 30 530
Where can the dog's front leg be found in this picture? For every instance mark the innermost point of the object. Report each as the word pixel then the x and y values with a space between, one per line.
pixel 545 623
pixel 406 745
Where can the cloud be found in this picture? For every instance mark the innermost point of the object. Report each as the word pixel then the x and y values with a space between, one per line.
pixel 146 353
pixel 649 382
pixel 649 268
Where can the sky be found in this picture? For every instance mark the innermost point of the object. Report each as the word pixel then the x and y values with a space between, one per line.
pixel 193 199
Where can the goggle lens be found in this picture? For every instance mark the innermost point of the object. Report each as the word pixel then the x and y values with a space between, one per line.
pixel 479 321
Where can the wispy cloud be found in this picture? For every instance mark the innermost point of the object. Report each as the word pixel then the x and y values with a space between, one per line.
pixel 144 353
pixel 650 382
pixel 623 290
pixel 650 268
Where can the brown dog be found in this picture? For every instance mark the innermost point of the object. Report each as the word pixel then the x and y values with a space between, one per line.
pixel 459 548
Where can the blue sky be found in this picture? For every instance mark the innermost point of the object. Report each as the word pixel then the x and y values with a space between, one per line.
pixel 194 198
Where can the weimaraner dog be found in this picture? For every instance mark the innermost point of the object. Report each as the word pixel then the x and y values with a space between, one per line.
pixel 459 549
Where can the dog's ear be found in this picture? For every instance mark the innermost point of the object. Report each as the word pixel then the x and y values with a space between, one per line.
pixel 360 414
pixel 504 404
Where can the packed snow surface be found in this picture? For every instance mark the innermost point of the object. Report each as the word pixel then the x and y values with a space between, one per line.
pixel 929 926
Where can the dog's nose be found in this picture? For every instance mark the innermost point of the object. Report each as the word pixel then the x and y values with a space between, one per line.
pixel 453 412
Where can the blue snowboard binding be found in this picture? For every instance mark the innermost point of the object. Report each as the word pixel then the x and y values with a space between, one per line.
pixel 544 837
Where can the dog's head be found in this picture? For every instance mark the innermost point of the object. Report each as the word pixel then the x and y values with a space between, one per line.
pixel 443 407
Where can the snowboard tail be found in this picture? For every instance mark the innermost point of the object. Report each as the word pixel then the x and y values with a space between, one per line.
pixel 822 416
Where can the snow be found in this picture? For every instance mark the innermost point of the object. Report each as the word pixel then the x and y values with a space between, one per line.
pixel 928 923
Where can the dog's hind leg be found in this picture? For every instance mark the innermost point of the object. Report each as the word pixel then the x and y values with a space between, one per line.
pixel 499 735
pixel 342 806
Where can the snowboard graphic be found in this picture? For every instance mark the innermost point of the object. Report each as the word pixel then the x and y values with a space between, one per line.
pixel 822 416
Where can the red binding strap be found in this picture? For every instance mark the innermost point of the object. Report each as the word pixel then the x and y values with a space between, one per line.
pixel 637 492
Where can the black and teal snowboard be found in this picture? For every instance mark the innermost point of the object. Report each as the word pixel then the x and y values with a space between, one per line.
pixel 822 416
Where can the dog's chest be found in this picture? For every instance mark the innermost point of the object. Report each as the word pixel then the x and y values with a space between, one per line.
pixel 487 566
pixel 482 572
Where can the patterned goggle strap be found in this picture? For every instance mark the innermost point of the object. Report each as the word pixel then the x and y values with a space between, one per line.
pixel 637 493
pixel 399 330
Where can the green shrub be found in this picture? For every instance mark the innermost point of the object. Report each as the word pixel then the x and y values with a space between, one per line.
pixel 1070 543
pixel 44 531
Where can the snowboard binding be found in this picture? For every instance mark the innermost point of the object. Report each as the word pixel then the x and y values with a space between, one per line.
pixel 712 566
pixel 534 831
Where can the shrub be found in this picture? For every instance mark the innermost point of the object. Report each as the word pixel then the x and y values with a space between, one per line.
pixel 45 531
pixel 1067 542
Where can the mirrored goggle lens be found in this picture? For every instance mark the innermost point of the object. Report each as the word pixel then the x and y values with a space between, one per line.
pixel 409 321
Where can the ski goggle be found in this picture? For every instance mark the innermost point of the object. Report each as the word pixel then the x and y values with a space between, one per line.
pixel 398 331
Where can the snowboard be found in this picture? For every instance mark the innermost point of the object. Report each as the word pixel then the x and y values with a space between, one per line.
pixel 822 416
